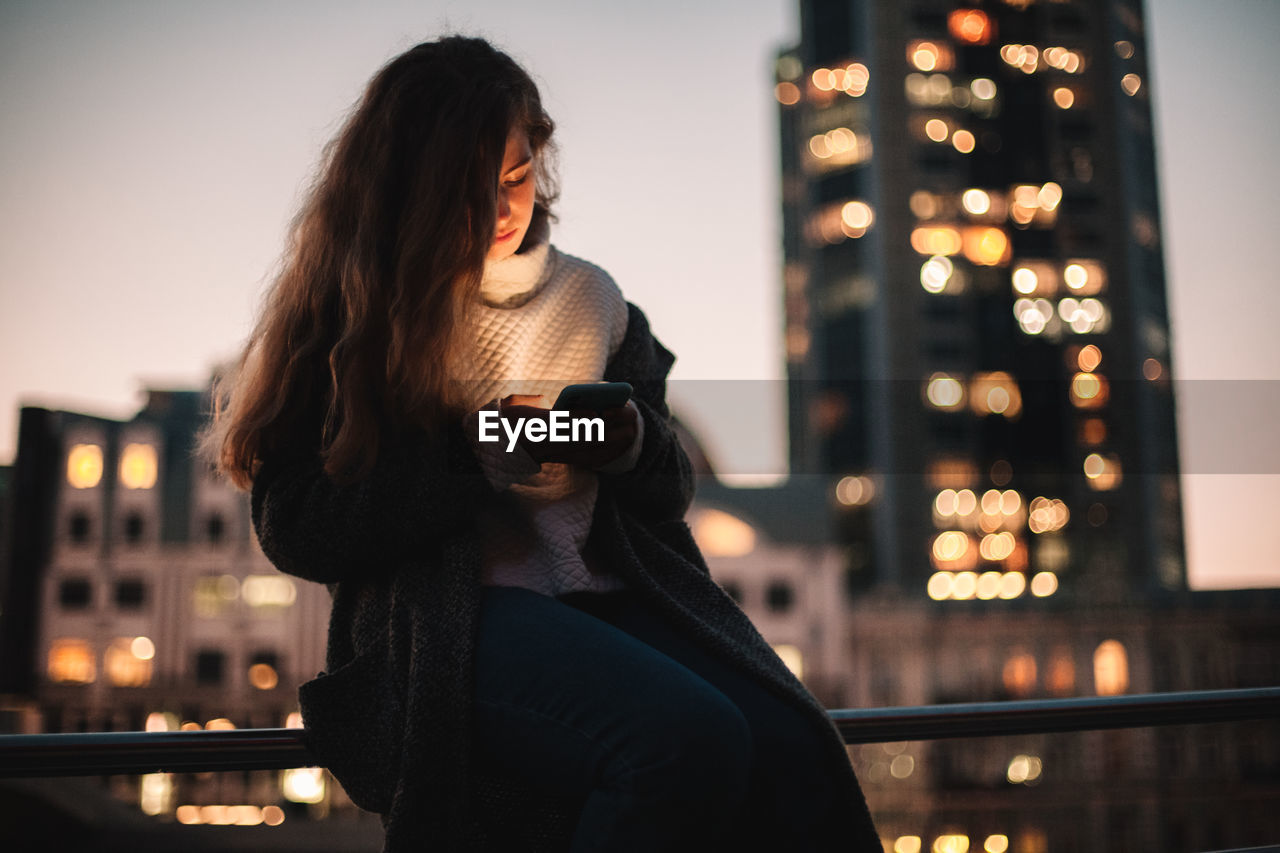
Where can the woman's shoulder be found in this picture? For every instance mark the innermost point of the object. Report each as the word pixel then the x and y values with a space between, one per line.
pixel 573 267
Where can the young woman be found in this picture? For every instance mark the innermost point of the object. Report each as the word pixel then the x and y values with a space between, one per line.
pixel 536 611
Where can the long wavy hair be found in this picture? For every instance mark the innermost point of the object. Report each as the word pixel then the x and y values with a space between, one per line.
pixel 370 316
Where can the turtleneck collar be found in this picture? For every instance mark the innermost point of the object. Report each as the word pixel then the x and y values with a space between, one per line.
pixel 515 279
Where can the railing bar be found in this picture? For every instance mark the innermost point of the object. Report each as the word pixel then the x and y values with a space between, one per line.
pixel 102 753
pixel 989 719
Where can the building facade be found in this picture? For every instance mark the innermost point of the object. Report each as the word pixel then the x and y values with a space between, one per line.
pixel 977 333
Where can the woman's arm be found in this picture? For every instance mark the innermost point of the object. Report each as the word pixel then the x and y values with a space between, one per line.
pixel 660 486
pixel 415 495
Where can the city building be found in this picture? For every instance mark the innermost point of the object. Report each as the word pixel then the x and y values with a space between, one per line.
pixel 136 598
pixel 976 324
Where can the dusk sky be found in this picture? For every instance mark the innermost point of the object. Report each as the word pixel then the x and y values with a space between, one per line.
pixel 153 153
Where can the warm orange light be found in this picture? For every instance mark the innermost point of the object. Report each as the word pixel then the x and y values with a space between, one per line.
pixel 788 94
pixel 984 246
pixel 971 26
pixel 1089 358
pixel 71 661
pixel 1064 98
pixel 138 466
pixel 263 676
pixel 963 141
pixel 1110 669
pixel 1020 674
pixel 938 240
pixel 84 466
pixel 720 534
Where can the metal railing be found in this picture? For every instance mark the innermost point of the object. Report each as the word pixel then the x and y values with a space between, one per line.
pixel 101 753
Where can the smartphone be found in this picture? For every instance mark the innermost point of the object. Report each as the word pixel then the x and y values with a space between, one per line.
pixel 594 396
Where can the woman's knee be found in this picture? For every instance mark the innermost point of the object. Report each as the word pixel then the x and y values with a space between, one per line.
pixel 702 746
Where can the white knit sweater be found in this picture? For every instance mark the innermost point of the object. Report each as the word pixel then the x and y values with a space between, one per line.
pixel 548 320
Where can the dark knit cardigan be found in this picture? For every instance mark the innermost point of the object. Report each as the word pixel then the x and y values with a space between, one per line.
pixel 391 716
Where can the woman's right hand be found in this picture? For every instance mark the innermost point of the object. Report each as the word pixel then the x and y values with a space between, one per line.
pixel 620 431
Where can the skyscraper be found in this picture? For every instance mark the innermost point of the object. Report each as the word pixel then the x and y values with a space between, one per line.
pixel 977 331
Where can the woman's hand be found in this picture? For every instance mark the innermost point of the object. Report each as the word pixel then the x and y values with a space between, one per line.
pixel 620 432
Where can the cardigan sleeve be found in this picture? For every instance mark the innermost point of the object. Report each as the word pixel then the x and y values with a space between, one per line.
pixel 416 495
pixel 660 486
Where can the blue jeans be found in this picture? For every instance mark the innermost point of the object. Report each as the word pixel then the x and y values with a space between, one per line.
pixel 593 694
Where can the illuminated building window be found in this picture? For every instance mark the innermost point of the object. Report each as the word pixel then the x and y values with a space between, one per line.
pixel 1110 669
pixel 855 490
pixel 907 844
pixel 1102 473
pixel 1084 316
pixel 1047 515
pixel 264 671
pixel 1044 584
pixel 971 26
pixel 127 661
pixel 268 591
pixel 210 666
pixel 1024 770
pixel 71 661
pixel 213 594
pixel 1087 358
pixel 995 393
pixel 837 149
pixel 838 222
pixel 976 202
pixel 1089 390
pixel 303 784
pixel 1084 277
pixel 930 55
pixel 134 527
pixel 934 90
pixel 1030 204
pixel 953 550
pixel 996 844
pixel 75 594
pixel 1061 678
pixel 130 594
pixel 939 275
pixel 985 246
pixel 720 534
pixel 944 392
pixel 936 240
pixel 1036 316
pixel 84 466
pixel 780 596
pixel 1020 674
pixel 78 527
pixel 138 466
pixel 792 657
pixel 935 129
pixel 1034 278
pixel 851 79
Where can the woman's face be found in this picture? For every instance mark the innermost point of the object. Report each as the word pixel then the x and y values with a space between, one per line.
pixel 515 196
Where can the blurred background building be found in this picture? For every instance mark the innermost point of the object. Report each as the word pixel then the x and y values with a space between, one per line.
pixel 977 333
